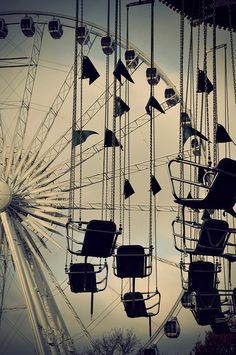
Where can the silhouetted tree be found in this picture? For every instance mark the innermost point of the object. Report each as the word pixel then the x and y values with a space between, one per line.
pixel 215 345
pixel 117 341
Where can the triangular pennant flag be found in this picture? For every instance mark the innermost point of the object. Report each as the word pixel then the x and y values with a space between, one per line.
pixel 222 135
pixel 189 195
pixel 79 136
pixel 120 70
pixel 189 131
pixel 120 107
pixel 89 71
pixel 206 215
pixel 110 139
pixel 155 187
pixel 128 189
pixel 152 102
pixel 201 83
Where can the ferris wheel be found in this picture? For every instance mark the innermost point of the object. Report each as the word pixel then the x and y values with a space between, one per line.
pixel 35 151
pixel 35 154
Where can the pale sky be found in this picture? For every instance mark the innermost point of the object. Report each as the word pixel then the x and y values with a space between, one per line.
pixel 55 61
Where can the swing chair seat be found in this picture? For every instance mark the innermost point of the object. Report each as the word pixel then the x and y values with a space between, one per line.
pixel 131 261
pixel 145 304
pixel 82 278
pixel 220 325
pixel 221 194
pixel 212 238
pixel 207 307
pixel 134 305
pixel 99 239
pixel 201 276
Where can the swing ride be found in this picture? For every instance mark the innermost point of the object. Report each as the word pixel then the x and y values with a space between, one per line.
pixel 45 174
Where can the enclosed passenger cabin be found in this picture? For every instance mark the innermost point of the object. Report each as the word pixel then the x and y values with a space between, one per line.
pixel 132 261
pixel 196 147
pixel 170 97
pixel 3 29
pixel 108 45
pixel 172 328
pixel 185 119
pixel 83 35
pixel 186 300
pixel 152 76
pixel 55 28
pixel 131 58
pixel 27 26
pixel 153 350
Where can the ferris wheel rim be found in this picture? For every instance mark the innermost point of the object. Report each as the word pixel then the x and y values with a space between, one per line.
pixel 141 54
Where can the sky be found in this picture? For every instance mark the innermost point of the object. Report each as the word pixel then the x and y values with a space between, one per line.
pixel 55 61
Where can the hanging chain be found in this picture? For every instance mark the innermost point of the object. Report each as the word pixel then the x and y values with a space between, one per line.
pixel 73 128
pixel 120 151
pixel 232 48
pixel 205 78
pixel 81 118
pixel 114 118
pixel 105 151
pixel 215 118
pixel 151 127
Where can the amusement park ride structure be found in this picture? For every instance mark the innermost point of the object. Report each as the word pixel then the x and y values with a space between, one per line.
pixel 41 196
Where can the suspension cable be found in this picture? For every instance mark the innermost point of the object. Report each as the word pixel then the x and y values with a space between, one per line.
pixel 232 48
pixel 205 78
pixel 81 113
pixel 73 126
pixel 105 151
pixel 215 118
pixel 114 117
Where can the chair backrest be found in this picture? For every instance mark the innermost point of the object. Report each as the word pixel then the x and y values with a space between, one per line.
pixel 223 190
pixel 212 238
pixel 99 239
pixel 82 278
pixel 201 276
pixel 134 305
pixel 130 261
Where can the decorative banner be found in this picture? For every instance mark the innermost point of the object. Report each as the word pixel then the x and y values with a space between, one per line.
pixel 222 135
pixel 128 189
pixel 189 131
pixel 89 71
pixel 203 83
pixel 120 107
pixel 79 136
pixel 152 102
pixel 121 70
pixel 111 140
pixel 155 187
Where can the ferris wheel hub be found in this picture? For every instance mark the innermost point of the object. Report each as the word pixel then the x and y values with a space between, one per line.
pixel 5 195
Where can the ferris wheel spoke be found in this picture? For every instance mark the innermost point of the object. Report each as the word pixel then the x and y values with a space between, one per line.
pixel 20 128
pixel 56 328
pixel 42 132
pixel 37 315
pixel 45 265
pixel 35 226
